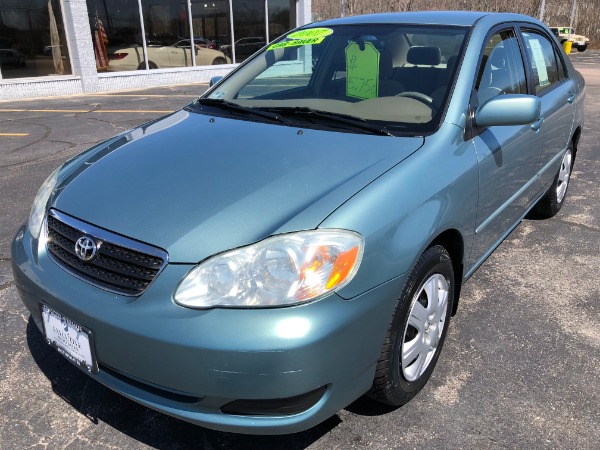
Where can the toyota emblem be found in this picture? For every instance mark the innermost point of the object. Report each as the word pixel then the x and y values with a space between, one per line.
pixel 85 248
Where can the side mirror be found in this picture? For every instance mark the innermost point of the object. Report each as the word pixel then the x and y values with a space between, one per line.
pixel 214 80
pixel 509 109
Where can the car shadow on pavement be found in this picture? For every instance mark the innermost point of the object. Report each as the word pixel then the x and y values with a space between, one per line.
pixel 100 404
pixel 366 406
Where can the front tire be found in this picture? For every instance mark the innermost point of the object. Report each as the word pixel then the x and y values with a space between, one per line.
pixel 582 48
pixel 418 329
pixel 554 198
pixel 219 60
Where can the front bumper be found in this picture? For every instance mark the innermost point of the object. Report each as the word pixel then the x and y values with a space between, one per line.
pixel 191 363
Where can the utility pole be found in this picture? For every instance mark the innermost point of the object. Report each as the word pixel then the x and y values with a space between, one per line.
pixel 572 17
pixel 542 9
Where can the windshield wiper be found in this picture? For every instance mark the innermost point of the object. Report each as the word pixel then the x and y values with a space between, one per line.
pixel 239 109
pixel 344 120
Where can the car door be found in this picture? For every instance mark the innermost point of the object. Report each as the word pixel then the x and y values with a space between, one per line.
pixel 178 55
pixel 557 93
pixel 508 156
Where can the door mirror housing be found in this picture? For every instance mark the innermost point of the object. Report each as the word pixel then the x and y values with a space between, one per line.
pixel 214 80
pixel 509 109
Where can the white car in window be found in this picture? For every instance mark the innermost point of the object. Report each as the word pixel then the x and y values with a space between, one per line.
pixel 131 57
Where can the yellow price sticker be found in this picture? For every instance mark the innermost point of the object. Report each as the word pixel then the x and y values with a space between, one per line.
pixel 296 43
pixel 310 33
pixel 362 71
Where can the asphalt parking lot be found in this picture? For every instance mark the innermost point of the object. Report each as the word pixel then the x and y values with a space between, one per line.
pixel 520 367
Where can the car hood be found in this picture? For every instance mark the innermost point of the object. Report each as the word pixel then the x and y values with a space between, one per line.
pixel 195 185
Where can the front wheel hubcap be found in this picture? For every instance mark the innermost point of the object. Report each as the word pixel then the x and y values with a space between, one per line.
pixel 425 326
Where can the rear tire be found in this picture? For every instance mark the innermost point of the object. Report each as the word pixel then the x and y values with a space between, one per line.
pixel 582 48
pixel 418 329
pixel 219 60
pixel 151 65
pixel 554 198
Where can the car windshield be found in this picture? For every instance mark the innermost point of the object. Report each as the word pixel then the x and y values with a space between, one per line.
pixel 392 76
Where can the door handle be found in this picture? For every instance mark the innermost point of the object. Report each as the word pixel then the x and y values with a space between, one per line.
pixel 571 97
pixel 535 126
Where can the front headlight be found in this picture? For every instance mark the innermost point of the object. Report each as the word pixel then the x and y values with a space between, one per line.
pixel 282 270
pixel 38 210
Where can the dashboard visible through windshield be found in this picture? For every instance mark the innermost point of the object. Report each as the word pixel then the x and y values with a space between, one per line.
pixel 396 78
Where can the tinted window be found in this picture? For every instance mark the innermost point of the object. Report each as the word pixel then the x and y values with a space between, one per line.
pixel 501 70
pixel 543 60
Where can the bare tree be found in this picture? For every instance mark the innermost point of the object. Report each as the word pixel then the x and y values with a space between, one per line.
pixel 557 12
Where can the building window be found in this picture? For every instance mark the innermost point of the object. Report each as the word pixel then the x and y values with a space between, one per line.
pixel 280 19
pixel 153 34
pixel 32 39
pixel 211 22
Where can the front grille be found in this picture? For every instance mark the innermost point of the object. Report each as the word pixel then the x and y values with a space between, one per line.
pixel 120 264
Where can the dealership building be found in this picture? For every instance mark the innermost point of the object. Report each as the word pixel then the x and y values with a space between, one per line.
pixel 62 47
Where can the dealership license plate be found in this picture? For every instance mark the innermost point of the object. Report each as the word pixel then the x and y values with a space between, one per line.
pixel 72 340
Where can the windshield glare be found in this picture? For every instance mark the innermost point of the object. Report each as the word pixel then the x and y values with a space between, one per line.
pixel 399 75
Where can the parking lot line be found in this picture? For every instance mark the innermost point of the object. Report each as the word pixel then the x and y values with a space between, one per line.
pixel 14 134
pixel 79 111
pixel 133 111
pixel 147 95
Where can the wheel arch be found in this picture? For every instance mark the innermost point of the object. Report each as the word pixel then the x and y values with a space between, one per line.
pixel 452 240
pixel 575 140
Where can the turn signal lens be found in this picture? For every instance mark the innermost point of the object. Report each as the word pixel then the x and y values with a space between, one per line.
pixel 282 270
pixel 342 268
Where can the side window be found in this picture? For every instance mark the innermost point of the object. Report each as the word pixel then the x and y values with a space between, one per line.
pixel 543 59
pixel 501 70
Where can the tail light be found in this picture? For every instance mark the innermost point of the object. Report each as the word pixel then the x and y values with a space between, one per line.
pixel 117 56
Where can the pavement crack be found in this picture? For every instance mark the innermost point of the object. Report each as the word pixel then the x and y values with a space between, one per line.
pixel 44 158
pixel 70 144
pixel 114 125
pixel 7 285
pixel 579 225
pixel 41 139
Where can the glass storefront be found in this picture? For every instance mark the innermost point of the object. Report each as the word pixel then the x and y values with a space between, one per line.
pixel 280 19
pixel 211 23
pixel 180 33
pixel 139 34
pixel 32 39
pixel 249 26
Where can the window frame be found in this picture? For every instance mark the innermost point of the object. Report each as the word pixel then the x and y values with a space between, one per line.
pixel 472 130
pixel 494 31
pixel 563 75
pixel 506 26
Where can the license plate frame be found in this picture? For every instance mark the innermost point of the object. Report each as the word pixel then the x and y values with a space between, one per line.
pixel 72 340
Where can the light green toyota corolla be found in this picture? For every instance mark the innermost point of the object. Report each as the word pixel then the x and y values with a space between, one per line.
pixel 299 235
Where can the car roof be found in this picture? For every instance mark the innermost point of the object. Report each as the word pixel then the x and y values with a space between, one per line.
pixel 458 18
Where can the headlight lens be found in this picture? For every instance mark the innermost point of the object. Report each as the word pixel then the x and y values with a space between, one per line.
pixel 282 270
pixel 38 210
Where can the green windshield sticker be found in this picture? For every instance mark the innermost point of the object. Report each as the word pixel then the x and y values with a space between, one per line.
pixel 362 71
pixel 296 43
pixel 311 33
